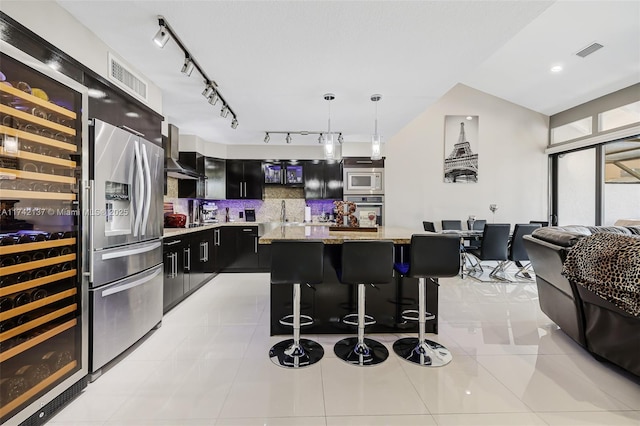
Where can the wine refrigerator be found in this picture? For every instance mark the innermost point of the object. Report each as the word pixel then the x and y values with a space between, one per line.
pixel 43 234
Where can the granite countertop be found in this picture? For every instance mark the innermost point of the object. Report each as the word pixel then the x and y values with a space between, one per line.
pixel 172 232
pixel 397 235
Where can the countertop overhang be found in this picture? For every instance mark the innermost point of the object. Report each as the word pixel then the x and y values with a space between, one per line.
pixel 321 232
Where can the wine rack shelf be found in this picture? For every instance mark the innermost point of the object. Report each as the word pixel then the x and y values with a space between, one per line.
pixel 11 313
pixel 21 267
pixel 27 285
pixel 16 350
pixel 16 331
pixel 37 101
pixel 9 194
pixel 6 409
pixel 21 134
pixel 25 155
pixel 40 245
pixel 4 109
pixel 36 176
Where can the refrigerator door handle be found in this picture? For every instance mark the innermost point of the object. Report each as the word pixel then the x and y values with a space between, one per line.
pixel 147 189
pixel 92 217
pixel 131 252
pixel 132 284
pixel 140 188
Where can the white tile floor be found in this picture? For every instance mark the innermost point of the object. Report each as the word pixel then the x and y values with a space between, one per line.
pixel 208 365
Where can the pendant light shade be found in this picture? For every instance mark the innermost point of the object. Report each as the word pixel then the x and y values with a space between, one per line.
pixel 329 147
pixel 376 139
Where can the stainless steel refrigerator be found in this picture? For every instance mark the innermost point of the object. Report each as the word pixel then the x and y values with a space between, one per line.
pixel 125 274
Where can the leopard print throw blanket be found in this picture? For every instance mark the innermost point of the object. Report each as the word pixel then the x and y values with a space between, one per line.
pixel 608 265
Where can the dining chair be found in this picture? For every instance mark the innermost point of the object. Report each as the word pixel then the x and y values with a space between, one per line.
pixel 540 222
pixel 452 225
pixel 428 226
pixel 517 252
pixel 477 225
pixel 495 241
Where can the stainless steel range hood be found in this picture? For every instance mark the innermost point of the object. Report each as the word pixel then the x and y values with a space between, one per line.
pixel 172 165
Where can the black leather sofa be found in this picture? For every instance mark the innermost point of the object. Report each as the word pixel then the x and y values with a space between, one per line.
pixel 595 323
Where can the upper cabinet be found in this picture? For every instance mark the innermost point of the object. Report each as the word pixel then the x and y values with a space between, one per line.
pixel 288 173
pixel 192 188
pixel 215 182
pixel 322 180
pixel 244 179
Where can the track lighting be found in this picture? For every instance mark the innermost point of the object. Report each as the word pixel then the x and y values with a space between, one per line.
pixel 208 91
pixel 329 148
pixel 288 138
pixel 211 91
pixel 162 36
pixel 320 138
pixel 340 140
pixel 266 138
pixel 188 67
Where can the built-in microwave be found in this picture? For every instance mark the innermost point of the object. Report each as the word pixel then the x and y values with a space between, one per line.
pixel 363 180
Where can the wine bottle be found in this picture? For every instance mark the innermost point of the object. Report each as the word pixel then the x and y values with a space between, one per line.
pixel 57 359
pixel 34 373
pixel 12 387
pixel 39 293
pixel 22 299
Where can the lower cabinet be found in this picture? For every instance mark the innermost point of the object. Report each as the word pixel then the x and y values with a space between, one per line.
pixel 240 247
pixel 189 262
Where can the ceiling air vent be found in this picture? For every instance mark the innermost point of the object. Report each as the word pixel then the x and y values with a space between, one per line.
pixel 127 79
pixel 589 50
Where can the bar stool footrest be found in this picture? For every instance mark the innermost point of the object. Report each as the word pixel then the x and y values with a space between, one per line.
pixel 412 315
pixel 287 320
pixel 368 320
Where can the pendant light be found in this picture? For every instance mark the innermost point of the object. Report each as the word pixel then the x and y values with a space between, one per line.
pixel 329 147
pixel 376 140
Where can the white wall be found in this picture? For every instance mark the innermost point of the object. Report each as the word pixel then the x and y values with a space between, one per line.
pixel 512 165
pixel 53 23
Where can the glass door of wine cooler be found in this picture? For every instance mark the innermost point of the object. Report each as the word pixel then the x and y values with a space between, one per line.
pixel 43 298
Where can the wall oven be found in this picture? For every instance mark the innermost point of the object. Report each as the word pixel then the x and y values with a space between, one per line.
pixel 362 180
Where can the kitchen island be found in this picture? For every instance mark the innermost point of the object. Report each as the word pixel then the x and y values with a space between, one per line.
pixel 329 301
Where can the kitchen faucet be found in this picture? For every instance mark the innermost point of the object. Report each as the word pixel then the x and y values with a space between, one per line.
pixel 283 212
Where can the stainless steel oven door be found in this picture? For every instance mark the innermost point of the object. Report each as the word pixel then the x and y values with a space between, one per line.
pixel 368 204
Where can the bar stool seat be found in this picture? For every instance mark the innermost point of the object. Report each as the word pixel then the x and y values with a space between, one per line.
pixel 296 262
pixel 364 262
pixel 432 256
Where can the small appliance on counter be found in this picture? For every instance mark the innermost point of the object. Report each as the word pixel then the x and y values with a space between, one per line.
pixel 250 215
pixel 175 220
pixel 209 212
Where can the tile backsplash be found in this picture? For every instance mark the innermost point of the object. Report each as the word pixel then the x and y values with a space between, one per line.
pixel 267 210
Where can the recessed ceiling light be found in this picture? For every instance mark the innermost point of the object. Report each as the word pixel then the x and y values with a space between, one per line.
pixel 469 117
pixel 132 114
pixel 556 68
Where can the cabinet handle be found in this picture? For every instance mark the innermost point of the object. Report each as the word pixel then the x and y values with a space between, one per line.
pixel 175 264
pixel 173 243
pixel 216 237
pixel 187 259
pixel 247 229
pixel 206 251
pixel 202 252
pixel 256 248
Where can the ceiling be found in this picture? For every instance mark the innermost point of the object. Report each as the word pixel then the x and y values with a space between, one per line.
pixel 274 60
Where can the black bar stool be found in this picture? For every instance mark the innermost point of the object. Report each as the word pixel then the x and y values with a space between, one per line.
pixel 296 262
pixel 432 256
pixel 364 262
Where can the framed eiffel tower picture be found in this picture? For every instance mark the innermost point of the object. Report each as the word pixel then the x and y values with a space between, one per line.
pixel 461 148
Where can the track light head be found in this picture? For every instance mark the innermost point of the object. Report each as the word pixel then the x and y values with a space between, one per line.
pixel 288 138
pixel 162 36
pixel 208 90
pixel 213 98
pixel 266 138
pixel 320 138
pixel 188 67
pixel 340 140
pixel 234 123
pixel 224 112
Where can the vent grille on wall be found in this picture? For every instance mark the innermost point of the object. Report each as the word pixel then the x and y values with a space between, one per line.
pixel 589 50
pixel 127 79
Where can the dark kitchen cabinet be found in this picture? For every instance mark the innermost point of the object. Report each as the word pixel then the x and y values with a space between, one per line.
pixel 240 247
pixel 192 188
pixel 173 272
pixel 244 179
pixel 201 260
pixel 322 180
pixel 289 173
